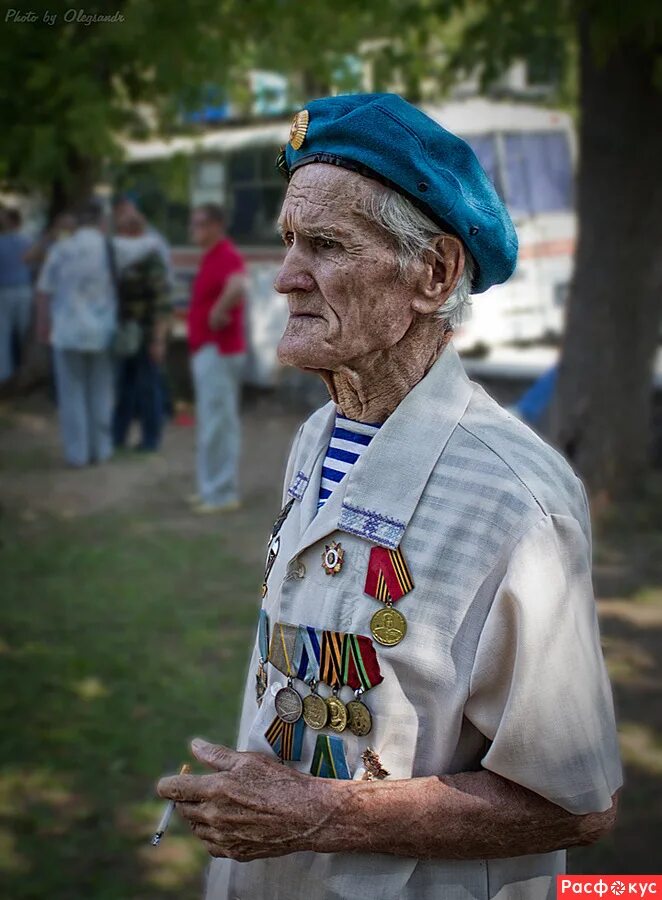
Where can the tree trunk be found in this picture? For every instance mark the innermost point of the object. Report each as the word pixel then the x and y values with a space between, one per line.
pixel 603 408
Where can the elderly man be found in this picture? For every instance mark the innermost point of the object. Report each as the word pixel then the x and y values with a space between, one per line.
pixel 430 716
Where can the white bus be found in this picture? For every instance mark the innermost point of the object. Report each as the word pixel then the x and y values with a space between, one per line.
pixel 527 151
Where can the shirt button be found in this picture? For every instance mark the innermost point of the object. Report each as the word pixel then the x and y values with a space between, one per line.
pixel 276 686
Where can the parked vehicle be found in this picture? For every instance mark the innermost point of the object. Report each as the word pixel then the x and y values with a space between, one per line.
pixel 528 152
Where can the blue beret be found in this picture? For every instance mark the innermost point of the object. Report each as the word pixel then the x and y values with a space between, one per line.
pixel 384 137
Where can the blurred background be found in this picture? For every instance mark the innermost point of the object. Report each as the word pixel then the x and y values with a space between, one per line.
pixel 126 620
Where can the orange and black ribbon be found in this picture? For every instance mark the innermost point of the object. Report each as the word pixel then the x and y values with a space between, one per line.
pixel 331 657
pixel 388 577
pixel 286 738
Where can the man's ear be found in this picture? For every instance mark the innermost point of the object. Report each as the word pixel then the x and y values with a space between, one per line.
pixel 442 269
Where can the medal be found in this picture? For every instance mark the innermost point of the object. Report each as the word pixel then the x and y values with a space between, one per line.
pixel 373 766
pixel 359 720
pixel 273 544
pixel 315 711
pixel 288 705
pixel 260 683
pixel 337 713
pixel 263 649
pixel 329 760
pixel 388 626
pixel 332 558
pixel 388 580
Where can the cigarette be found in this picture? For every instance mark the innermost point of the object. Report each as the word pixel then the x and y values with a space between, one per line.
pixel 167 813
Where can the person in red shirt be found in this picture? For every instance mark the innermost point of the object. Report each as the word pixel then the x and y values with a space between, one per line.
pixel 217 343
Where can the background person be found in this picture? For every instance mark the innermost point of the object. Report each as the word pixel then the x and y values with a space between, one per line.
pixel 15 292
pixel 144 317
pixel 217 344
pixel 75 286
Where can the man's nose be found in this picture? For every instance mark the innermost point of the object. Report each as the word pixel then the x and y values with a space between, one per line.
pixel 293 275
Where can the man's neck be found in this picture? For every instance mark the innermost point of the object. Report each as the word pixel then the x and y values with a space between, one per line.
pixel 369 389
pixel 210 244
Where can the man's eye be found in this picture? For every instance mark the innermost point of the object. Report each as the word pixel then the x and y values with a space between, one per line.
pixel 322 243
pixel 288 238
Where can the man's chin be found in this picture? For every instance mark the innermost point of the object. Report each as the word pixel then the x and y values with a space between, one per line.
pixel 301 354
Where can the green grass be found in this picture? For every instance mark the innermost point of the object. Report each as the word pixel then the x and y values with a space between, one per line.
pixel 118 643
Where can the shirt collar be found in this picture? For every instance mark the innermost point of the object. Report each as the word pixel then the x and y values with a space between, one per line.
pixel 382 490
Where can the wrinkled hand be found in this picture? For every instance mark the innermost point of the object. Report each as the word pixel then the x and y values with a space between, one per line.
pixel 252 807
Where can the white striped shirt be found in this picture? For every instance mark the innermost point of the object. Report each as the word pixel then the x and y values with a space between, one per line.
pixel 348 441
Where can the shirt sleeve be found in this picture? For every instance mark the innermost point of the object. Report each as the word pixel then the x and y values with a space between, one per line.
pixel 539 688
pixel 46 280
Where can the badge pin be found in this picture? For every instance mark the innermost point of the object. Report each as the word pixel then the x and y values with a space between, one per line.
pixel 388 580
pixel 299 129
pixel 332 558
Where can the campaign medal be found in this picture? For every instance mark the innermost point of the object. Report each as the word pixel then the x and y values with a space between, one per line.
pixel 359 720
pixel 332 558
pixel 273 544
pixel 288 703
pixel 337 713
pixel 360 670
pixel 388 580
pixel 315 710
pixel 307 653
pixel 263 648
pixel 331 673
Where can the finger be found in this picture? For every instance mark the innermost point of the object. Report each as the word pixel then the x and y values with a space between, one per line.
pixel 214 755
pixel 196 813
pixel 205 832
pixel 185 787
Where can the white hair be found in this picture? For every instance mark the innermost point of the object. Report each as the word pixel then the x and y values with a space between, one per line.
pixel 414 234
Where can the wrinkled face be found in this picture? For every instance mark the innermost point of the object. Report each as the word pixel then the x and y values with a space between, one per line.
pixel 340 276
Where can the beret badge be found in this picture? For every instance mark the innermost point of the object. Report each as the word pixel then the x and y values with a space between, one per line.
pixel 299 128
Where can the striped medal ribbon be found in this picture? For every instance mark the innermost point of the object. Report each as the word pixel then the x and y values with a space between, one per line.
pixel 286 738
pixel 288 702
pixel 308 654
pixel 388 579
pixel 329 760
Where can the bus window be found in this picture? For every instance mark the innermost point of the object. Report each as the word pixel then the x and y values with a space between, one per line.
pixel 484 146
pixel 254 191
pixel 538 172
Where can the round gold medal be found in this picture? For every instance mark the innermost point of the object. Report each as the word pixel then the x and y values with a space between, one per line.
pixel 315 711
pixel 359 718
pixel 388 626
pixel 289 705
pixel 337 714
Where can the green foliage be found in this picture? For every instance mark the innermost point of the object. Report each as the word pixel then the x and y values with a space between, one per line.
pixel 110 661
pixel 70 88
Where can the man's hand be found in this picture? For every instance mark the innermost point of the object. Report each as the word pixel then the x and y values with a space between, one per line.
pixel 218 317
pixel 157 351
pixel 252 807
